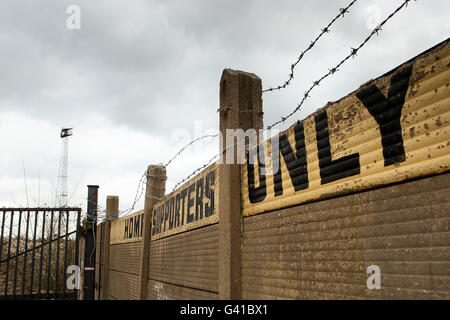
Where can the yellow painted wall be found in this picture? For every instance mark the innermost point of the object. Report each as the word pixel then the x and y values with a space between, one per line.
pixel 352 129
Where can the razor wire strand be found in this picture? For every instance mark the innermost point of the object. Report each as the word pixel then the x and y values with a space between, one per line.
pixel 342 12
pixel 316 83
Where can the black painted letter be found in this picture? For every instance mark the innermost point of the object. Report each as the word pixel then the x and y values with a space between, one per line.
pixel 387 113
pixel 190 204
pixel 209 193
pixel 256 194
pixel 332 170
pixel 295 163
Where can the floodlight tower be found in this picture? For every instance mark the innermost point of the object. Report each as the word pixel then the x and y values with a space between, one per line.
pixel 62 192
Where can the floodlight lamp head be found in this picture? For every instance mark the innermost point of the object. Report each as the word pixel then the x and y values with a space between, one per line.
pixel 66 132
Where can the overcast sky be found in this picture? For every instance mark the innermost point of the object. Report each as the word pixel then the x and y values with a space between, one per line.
pixel 141 78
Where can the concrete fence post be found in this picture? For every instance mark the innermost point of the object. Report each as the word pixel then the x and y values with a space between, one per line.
pixel 155 190
pixel 241 108
pixel 112 213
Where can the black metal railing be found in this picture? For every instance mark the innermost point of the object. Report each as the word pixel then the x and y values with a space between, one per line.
pixel 36 247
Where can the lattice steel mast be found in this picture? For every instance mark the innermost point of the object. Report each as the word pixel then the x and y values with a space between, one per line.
pixel 63 174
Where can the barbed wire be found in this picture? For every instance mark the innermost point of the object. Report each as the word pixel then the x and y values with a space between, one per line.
pixel 332 71
pixel 316 83
pixel 195 171
pixel 101 215
pixel 227 108
pixel 188 145
pixel 208 135
pixel 139 192
pixel 342 12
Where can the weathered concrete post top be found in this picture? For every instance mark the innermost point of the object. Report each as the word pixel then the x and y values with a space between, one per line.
pixel 156 183
pixel 112 208
pixel 240 108
pixel 240 101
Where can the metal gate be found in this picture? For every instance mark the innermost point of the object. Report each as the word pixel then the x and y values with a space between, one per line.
pixel 37 246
